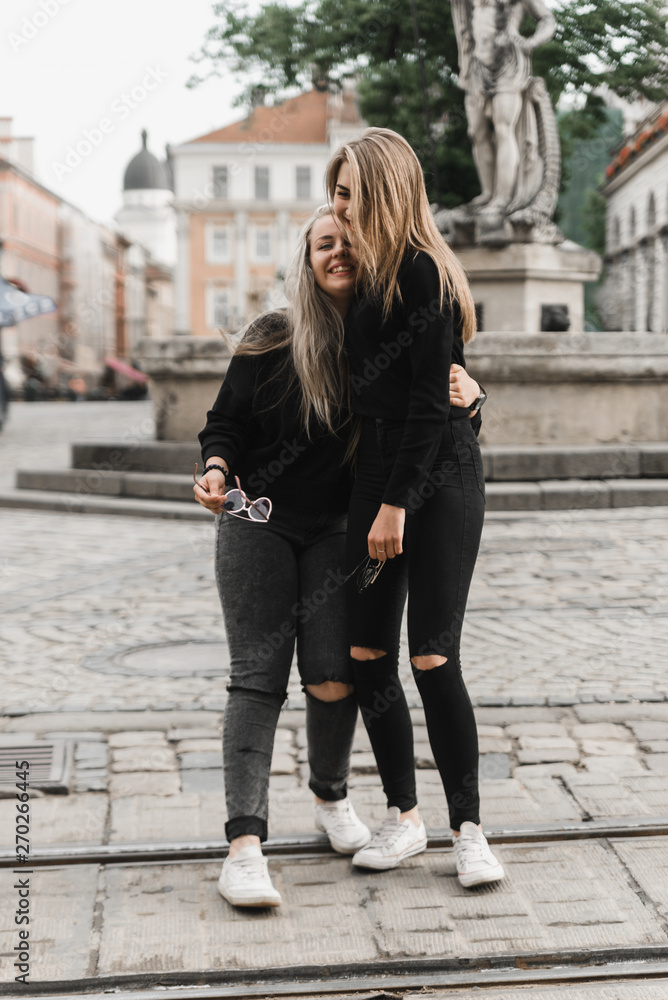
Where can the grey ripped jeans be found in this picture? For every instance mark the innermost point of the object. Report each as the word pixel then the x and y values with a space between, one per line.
pixel 281 583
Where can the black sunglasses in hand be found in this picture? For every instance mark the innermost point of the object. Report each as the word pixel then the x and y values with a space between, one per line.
pixel 366 573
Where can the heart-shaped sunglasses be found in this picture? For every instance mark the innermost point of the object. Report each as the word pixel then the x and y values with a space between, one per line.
pixel 240 505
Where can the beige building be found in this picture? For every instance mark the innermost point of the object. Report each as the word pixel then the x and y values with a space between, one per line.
pixel 635 292
pixel 29 229
pixel 110 291
pixel 241 195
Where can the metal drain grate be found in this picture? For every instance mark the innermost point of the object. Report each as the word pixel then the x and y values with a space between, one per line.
pixel 50 763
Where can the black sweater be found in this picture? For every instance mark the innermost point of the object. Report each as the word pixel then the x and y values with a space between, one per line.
pixel 256 428
pixel 401 370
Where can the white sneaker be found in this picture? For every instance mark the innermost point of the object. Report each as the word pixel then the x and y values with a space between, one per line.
pixel 346 831
pixel 475 862
pixel 244 880
pixel 393 842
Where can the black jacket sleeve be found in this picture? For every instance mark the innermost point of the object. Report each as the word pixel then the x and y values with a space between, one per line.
pixel 429 354
pixel 228 422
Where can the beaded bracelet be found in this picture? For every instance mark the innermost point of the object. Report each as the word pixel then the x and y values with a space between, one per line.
pixel 219 467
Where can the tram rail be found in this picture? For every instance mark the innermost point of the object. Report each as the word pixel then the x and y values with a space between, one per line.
pixel 516 975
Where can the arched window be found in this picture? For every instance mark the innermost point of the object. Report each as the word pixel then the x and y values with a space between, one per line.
pixel 651 212
pixel 616 233
pixel 632 223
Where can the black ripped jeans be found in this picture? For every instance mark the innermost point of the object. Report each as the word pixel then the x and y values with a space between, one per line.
pixel 281 585
pixel 441 540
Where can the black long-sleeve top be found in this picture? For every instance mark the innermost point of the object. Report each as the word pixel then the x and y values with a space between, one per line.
pixel 255 426
pixel 401 369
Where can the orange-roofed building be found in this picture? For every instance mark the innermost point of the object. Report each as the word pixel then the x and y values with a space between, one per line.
pixel 242 193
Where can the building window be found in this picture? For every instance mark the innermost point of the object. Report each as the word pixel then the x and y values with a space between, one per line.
pixel 219 308
pixel 263 244
pixel 262 183
pixel 218 245
pixel 616 234
pixel 220 182
pixel 303 183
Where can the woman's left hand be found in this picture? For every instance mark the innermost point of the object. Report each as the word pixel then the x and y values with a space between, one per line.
pixel 387 532
pixel 463 389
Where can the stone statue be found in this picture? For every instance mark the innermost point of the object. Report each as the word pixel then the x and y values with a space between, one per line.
pixel 511 125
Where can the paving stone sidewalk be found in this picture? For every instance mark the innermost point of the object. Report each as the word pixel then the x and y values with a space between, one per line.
pixel 119 920
pixel 164 782
pixel 565 607
pixel 111 637
pixel 106 613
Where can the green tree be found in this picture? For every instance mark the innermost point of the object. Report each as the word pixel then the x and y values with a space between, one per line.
pixel 409 83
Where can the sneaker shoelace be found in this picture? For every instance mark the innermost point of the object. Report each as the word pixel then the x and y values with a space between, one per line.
pixel 470 851
pixel 341 817
pixel 251 866
pixel 389 833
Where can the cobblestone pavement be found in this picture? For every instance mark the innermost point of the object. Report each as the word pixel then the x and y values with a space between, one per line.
pixel 111 636
pixel 41 433
pixel 155 776
pixel 566 606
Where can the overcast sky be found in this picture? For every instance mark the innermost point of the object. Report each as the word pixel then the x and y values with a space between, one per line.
pixel 79 68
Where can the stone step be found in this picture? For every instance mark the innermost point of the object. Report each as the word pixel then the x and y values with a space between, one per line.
pixel 175 457
pixel 78 489
pixel 511 463
pixel 577 494
pixel 99 482
pixel 91 504
pixel 503 463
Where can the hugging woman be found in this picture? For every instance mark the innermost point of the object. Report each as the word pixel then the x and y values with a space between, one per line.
pixel 418 502
pixel 284 405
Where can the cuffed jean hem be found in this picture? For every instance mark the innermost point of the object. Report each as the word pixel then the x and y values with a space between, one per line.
pixel 325 793
pixel 244 826
pixel 403 804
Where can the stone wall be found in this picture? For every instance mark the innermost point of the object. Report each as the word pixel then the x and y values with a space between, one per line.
pixel 548 388
pixel 553 388
pixel 185 376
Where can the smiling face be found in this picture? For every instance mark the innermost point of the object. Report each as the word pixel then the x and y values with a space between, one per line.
pixel 341 196
pixel 333 261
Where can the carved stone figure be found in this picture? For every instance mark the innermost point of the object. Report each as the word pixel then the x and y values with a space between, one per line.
pixel 511 124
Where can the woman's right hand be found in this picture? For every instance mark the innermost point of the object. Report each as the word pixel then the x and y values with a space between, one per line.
pixel 210 491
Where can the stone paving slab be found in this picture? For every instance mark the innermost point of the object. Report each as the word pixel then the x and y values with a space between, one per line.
pixel 557 897
pixel 647 861
pixel 58 819
pixel 652 990
pixel 62 932
pixel 608 778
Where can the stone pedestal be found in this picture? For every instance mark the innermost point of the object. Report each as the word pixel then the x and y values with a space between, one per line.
pixel 513 284
pixel 544 389
pixel 185 376
pixel 569 389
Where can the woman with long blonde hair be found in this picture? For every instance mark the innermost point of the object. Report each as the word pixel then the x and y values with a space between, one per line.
pixel 417 508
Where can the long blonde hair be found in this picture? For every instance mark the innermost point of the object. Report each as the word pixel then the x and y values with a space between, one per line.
pixel 313 330
pixel 390 216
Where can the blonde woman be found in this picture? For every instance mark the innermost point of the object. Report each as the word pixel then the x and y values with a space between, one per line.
pixel 418 502
pixel 281 425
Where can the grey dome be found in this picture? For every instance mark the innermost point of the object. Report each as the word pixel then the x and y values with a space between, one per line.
pixel 145 171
